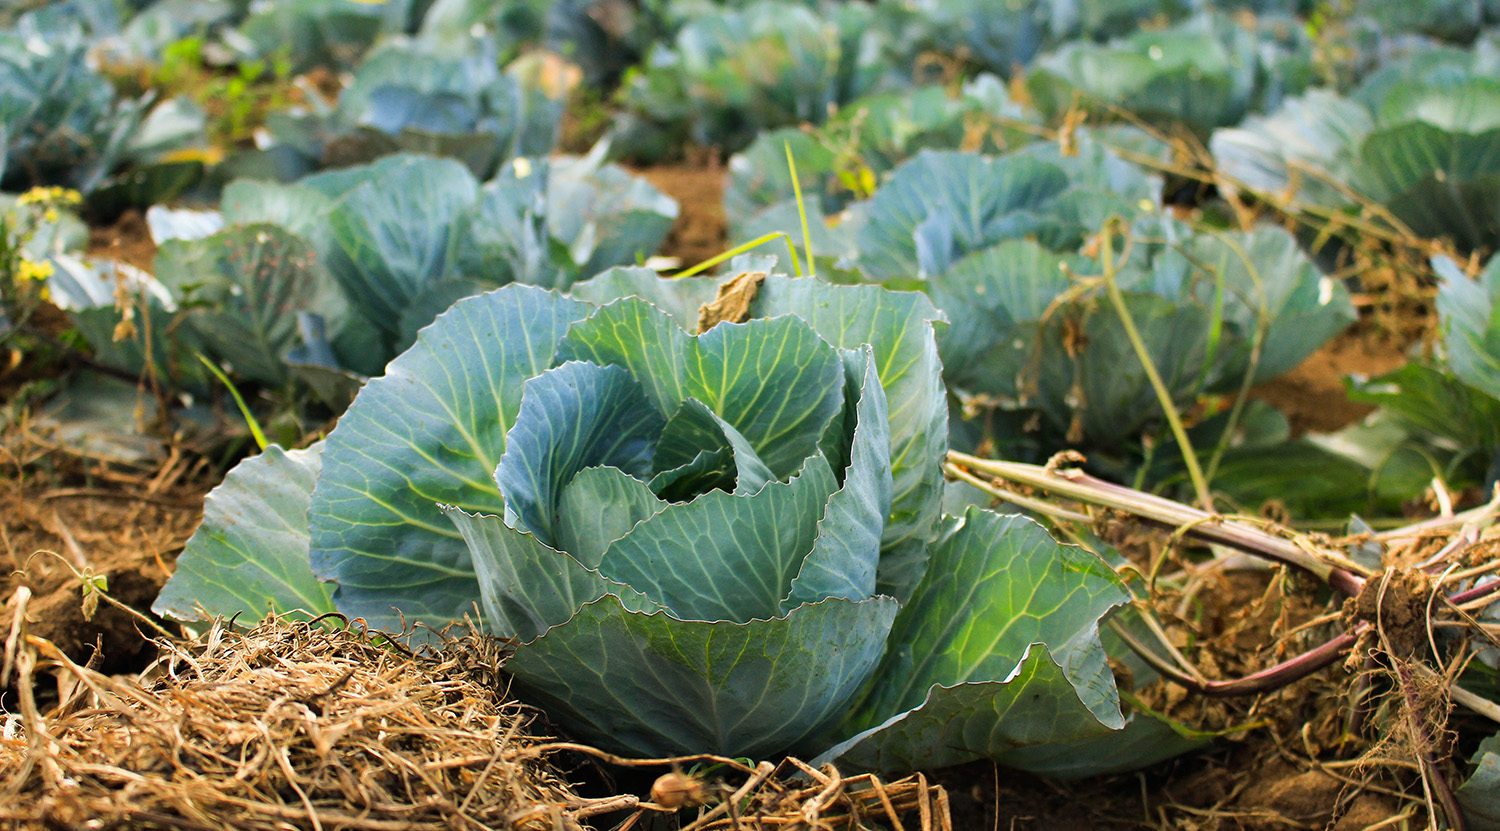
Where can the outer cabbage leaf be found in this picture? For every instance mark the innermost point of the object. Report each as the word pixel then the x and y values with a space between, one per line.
pixel 62 122
pixel 1471 325
pixel 430 431
pixel 1205 73
pixel 232 566
pixel 1434 403
pixel 998 648
pixel 1438 182
pixel 1069 361
pixel 868 137
pixel 605 215
pixel 995 300
pixel 1423 140
pixel 313 32
pixel 680 299
pixel 1304 151
pixel 1145 740
pixel 732 73
pixel 1274 295
pixel 383 259
pixel 87 291
pixel 654 684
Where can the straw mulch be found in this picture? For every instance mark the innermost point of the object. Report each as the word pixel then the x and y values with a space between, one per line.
pixel 308 725
pixel 291 724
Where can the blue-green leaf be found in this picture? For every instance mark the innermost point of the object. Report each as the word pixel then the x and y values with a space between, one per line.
pixel 250 554
pixel 725 557
pixel 1480 795
pixel 1271 285
pixel 965 201
pixel 652 684
pixel 430 431
pixel 846 554
pixel 525 587
pixel 599 506
pixel 381 257
pixel 898 325
pixel 1471 326
pixel 1033 705
pixel 576 416
pixel 994 299
pixel 244 287
pixel 998 646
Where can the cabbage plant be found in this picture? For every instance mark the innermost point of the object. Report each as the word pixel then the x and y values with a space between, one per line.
pixel 1011 249
pixel 1206 72
pixel 1416 139
pixel 341 246
pixel 843 160
pixel 732 73
pixel 60 122
pixel 725 542
pixel 410 96
pixel 1443 408
pixel 1002 40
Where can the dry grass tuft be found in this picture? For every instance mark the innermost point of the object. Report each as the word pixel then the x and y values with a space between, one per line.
pixel 288 725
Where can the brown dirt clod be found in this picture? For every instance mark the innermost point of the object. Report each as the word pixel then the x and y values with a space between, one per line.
pixel 1395 603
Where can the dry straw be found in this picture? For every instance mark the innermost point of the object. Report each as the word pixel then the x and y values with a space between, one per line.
pixel 306 725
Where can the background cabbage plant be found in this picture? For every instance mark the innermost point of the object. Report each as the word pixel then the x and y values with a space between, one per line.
pixel 1418 140
pixel 62 123
pixel 1205 72
pixel 725 542
pixel 340 246
pixel 410 96
pixel 1011 249
pixel 731 73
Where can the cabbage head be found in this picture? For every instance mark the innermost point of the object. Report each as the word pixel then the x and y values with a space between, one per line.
pixel 726 542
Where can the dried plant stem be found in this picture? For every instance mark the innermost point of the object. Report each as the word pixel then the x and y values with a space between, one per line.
pixel 1266 680
pixel 1328 566
pixel 1163 395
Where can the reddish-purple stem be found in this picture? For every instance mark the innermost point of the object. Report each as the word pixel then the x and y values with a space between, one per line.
pixel 1422 735
pixel 1266 680
pixel 1468 595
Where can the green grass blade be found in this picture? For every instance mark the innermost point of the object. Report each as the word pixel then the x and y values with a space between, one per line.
pixel 255 431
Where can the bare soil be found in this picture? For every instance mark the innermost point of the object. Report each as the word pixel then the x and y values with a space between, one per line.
pixel 1313 396
pixel 698 186
pixel 127 240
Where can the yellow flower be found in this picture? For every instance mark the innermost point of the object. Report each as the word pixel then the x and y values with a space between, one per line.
pixel 35 271
pixel 50 195
pixel 50 215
